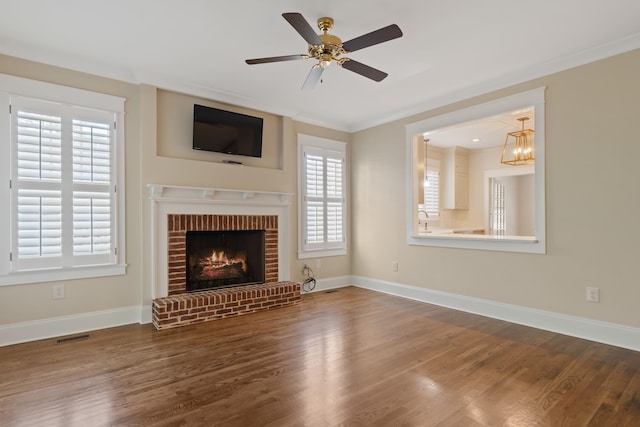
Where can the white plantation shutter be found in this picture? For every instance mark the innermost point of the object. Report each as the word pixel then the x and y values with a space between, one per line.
pixel 39 171
pixel 92 189
pixel 91 222
pixel 39 139
pixel 432 194
pixel 323 207
pixel 39 223
pixel 314 194
pixel 91 152
pixel 335 199
pixel 63 192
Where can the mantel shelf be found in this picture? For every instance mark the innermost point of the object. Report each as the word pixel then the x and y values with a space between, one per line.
pixel 174 193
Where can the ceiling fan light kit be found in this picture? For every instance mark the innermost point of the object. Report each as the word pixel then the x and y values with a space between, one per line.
pixel 327 48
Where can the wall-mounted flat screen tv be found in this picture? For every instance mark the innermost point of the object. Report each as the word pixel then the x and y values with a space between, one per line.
pixel 226 132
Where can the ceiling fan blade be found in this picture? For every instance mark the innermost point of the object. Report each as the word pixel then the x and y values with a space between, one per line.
pixel 276 59
pixel 313 78
pixel 379 36
pixel 364 70
pixel 303 28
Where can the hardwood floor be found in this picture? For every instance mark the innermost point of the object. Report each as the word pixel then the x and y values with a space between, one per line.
pixel 351 357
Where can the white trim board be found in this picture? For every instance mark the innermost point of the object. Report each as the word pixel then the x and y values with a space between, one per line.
pixel 66 325
pixel 18 333
pixel 606 333
pixel 593 330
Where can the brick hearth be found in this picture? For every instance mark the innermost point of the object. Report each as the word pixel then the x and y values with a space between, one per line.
pixel 187 309
pixel 182 308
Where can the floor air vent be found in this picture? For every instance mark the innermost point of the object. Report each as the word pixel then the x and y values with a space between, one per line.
pixel 71 339
pixel 330 291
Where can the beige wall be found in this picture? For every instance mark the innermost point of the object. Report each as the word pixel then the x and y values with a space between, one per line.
pixel 168 159
pixel 158 151
pixel 591 146
pixel 175 123
pixel 28 302
pixel 592 150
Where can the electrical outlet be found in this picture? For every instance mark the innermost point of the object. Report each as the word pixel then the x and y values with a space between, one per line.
pixel 57 291
pixel 318 264
pixel 394 265
pixel 593 294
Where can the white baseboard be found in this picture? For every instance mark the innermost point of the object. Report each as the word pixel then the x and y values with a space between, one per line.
pixel 67 325
pixel 329 283
pixel 145 314
pixel 606 333
pixel 58 326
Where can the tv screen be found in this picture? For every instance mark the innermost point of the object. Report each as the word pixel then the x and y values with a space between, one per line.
pixel 226 132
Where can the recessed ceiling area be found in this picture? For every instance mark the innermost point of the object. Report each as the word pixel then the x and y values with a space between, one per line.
pixel 449 51
pixel 482 133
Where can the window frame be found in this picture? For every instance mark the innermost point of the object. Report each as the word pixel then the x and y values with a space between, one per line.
pixel 322 147
pixel 414 133
pixel 58 97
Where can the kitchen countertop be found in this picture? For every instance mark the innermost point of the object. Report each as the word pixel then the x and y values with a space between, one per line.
pixel 460 234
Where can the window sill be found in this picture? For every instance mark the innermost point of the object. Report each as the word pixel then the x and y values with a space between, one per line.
pixel 523 244
pixel 320 253
pixel 56 274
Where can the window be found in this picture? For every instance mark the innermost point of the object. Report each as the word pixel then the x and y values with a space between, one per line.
pixel 497 214
pixel 465 180
pixel 432 193
pixel 65 173
pixel 322 206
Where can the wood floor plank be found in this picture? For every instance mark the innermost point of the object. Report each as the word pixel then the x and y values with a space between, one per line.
pixel 352 357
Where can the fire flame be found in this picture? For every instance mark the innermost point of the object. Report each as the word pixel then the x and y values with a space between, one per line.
pixel 219 259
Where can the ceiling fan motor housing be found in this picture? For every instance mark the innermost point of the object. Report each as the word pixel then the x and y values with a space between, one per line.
pixel 331 46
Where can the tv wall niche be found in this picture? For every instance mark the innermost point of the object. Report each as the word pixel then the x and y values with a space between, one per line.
pixel 222 131
pixel 175 131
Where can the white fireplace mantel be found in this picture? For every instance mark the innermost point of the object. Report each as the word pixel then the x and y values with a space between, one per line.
pixel 168 193
pixel 176 200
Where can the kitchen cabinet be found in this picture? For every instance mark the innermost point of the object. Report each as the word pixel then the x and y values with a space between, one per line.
pixel 455 185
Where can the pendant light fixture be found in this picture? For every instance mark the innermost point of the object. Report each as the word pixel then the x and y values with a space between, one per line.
pixel 519 147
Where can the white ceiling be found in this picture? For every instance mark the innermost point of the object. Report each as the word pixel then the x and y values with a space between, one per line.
pixel 450 50
pixel 483 133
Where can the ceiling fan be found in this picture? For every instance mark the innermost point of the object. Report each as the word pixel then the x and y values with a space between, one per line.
pixel 327 48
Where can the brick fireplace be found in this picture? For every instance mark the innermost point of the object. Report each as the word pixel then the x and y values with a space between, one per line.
pixel 179 225
pixel 178 210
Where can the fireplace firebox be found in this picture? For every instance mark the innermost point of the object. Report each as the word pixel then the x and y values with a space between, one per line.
pixel 217 259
